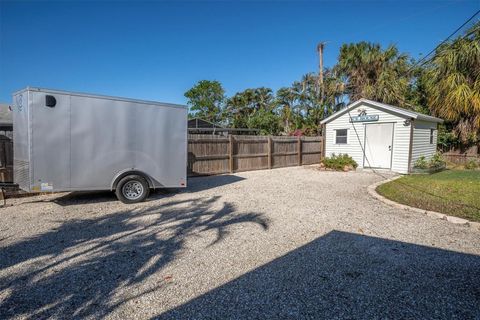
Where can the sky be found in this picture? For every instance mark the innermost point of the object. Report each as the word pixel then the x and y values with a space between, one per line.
pixel 157 50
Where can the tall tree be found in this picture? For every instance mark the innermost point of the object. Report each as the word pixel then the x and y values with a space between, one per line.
pixel 334 97
pixel 373 73
pixel 286 98
pixel 310 109
pixel 452 82
pixel 206 100
pixel 254 109
pixel 237 110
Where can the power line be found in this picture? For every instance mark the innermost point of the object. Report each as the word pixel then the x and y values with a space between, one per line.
pixel 444 41
pixel 421 62
pixel 451 44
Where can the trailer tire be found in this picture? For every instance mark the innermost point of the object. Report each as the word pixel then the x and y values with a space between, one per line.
pixel 132 189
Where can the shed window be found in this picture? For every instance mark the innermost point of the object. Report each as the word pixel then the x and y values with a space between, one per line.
pixel 341 136
pixel 432 134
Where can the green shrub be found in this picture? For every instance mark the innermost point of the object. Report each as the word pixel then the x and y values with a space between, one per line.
pixel 421 163
pixel 437 161
pixel 471 165
pixel 339 162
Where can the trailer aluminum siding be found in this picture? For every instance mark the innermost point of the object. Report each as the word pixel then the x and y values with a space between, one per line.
pixel 86 142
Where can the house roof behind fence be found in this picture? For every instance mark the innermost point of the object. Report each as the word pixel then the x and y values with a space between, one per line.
pixel 5 115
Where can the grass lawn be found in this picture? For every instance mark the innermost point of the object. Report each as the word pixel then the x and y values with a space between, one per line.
pixel 453 192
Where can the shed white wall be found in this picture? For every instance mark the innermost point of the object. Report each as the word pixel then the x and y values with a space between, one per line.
pixel 356 134
pixel 421 140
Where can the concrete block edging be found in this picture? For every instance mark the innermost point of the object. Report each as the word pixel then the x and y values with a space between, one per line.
pixel 433 214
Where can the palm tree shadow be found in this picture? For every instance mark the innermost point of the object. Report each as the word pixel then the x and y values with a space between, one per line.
pixel 75 270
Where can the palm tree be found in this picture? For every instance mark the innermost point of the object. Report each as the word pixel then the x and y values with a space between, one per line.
pixel 334 97
pixel 263 98
pixel 373 73
pixel 452 82
pixel 286 98
pixel 238 109
pixel 250 103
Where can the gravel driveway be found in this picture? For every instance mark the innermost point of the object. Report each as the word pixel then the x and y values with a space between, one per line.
pixel 286 243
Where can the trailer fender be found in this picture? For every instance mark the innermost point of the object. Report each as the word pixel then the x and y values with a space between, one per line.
pixel 127 172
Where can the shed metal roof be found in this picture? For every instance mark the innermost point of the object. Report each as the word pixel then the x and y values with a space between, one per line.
pixel 385 107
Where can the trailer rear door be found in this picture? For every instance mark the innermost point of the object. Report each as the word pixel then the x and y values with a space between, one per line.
pixel 50 141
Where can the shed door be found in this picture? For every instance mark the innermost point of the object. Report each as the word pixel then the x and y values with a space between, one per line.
pixel 378 145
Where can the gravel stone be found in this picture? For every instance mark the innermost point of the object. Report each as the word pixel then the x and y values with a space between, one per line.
pixel 287 243
pixel 457 220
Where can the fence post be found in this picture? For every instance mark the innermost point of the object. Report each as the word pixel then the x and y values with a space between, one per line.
pixel 230 153
pixel 321 148
pixel 269 148
pixel 323 139
pixel 299 147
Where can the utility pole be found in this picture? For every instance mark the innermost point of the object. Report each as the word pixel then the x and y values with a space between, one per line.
pixel 320 47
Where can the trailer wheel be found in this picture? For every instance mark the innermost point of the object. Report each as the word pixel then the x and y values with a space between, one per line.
pixel 132 189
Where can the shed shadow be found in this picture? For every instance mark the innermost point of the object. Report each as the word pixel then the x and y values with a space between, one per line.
pixel 348 276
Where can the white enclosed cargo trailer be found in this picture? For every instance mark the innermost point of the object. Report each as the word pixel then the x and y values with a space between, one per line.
pixel 65 141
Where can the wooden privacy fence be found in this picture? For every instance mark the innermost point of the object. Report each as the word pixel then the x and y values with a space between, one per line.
pixel 6 159
pixel 460 158
pixel 209 154
pixel 461 154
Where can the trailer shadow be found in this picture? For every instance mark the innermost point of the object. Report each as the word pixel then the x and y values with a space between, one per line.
pixel 201 183
pixel 348 276
pixel 89 197
pixel 195 184
pixel 83 197
pixel 74 271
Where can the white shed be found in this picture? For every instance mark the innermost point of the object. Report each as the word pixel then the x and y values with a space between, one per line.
pixel 381 136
